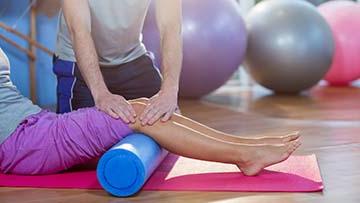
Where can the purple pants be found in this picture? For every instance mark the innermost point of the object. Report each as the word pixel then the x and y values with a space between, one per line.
pixel 49 143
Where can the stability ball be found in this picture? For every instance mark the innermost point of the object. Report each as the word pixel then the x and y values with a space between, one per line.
pixel 290 46
pixel 344 20
pixel 317 2
pixel 214 43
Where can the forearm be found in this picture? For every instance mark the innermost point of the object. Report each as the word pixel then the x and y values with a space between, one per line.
pixel 78 19
pixel 169 23
pixel 88 63
pixel 171 54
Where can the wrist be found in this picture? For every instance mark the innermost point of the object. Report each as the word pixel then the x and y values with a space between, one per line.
pixel 170 91
pixel 99 92
pixel 170 87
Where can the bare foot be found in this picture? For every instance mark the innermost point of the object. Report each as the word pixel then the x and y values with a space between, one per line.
pixel 262 156
pixel 272 139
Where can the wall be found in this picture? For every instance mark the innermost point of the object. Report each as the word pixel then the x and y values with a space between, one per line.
pixel 10 11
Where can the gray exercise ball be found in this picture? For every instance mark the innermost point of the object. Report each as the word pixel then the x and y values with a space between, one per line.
pixel 290 45
pixel 317 2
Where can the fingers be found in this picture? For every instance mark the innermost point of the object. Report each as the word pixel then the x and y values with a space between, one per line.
pixel 158 107
pixel 127 109
pixel 124 116
pixel 177 110
pixel 145 112
pixel 150 115
pixel 155 118
pixel 153 113
pixel 132 110
pixel 111 113
pixel 167 116
pixel 117 107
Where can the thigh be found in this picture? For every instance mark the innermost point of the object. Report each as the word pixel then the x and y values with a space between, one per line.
pixel 25 151
pixel 139 78
pixel 49 143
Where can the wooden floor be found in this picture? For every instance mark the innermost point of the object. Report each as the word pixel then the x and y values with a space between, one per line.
pixel 329 119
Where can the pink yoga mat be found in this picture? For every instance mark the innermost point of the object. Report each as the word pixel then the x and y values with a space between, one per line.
pixel 297 174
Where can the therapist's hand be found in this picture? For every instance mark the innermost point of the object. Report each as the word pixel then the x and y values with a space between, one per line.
pixel 116 106
pixel 162 105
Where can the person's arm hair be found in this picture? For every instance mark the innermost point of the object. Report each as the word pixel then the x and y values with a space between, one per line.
pixel 78 19
pixel 169 23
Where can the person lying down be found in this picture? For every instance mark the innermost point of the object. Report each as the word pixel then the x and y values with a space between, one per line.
pixel 35 141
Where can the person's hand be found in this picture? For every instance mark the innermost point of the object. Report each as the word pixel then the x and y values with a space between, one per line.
pixel 116 106
pixel 163 104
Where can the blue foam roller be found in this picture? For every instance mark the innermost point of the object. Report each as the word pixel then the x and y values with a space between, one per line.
pixel 124 169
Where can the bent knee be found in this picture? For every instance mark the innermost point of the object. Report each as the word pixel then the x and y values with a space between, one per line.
pixel 138 107
pixel 142 100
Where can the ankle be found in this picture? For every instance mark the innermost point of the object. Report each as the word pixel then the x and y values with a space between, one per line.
pixel 244 155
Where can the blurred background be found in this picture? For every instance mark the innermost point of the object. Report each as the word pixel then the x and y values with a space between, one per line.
pixel 15 15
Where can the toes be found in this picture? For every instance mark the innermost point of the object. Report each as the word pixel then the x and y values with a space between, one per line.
pixel 298 144
pixel 290 149
pixel 294 145
pixel 291 136
pixel 295 136
pixel 286 138
pixel 286 155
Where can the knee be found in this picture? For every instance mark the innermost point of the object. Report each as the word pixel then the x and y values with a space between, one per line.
pixel 139 108
pixel 142 100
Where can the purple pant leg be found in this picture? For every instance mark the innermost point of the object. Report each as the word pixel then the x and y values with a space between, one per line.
pixel 49 143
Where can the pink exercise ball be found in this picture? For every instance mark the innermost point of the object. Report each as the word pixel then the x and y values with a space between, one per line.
pixel 344 20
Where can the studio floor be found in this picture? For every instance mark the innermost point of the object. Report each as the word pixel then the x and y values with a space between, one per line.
pixel 329 121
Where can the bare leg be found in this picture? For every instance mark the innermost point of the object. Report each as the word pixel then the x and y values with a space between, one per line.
pixel 183 140
pixel 224 136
